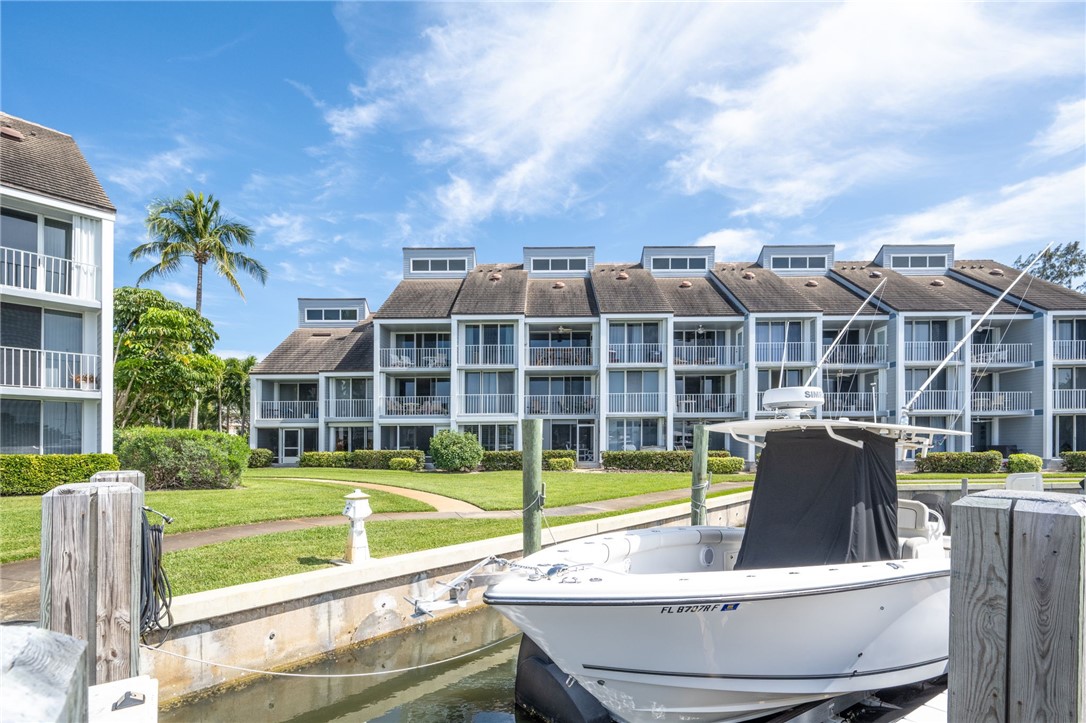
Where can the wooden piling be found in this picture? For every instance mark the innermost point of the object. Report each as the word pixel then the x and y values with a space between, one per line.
pixel 1017 600
pixel 699 477
pixel 44 676
pixel 532 465
pixel 131 476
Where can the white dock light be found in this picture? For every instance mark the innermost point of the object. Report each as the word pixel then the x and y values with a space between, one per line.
pixel 357 510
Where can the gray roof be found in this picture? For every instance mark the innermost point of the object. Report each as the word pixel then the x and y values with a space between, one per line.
pixel 493 289
pixel 764 292
pixel 1038 292
pixel 694 296
pixel 978 301
pixel 50 163
pixel 560 297
pixel 901 293
pixel 829 295
pixel 311 351
pixel 636 293
pixel 420 299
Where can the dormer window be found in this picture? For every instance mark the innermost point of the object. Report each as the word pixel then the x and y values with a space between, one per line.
pixel 560 264
pixel 331 314
pixel 438 265
pixel 793 263
pixel 678 263
pixel 918 261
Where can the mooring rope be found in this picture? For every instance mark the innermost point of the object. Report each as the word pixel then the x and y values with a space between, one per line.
pixel 331 675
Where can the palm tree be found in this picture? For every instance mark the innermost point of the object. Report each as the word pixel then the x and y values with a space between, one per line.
pixel 193 226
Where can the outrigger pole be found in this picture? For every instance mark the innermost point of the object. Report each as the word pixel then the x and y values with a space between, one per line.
pixel 841 334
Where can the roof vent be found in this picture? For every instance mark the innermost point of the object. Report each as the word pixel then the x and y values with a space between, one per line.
pixel 622 276
pixel 9 132
pixel 559 284
pixel 938 282
pixel 875 274
pixel 685 284
pixel 495 276
pixel 748 275
pixel 812 283
pixel 996 272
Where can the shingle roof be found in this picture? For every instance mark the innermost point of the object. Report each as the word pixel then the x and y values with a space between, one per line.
pixel 901 293
pixel 420 299
pixel 48 162
pixel 764 291
pixel 481 293
pixel 1038 292
pixel 637 293
pixel 700 298
pixel 311 351
pixel 560 297
pixel 829 295
pixel 978 301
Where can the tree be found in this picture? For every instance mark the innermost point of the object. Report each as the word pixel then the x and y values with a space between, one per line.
pixel 230 402
pixel 193 226
pixel 1064 264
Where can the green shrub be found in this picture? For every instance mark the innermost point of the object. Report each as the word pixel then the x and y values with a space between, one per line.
pixel 1074 461
pixel 183 458
pixel 455 451
pixel 655 461
pixel 960 462
pixel 560 464
pixel 404 464
pixel 494 461
pixel 324 459
pixel 36 474
pixel 379 458
pixel 726 465
pixel 559 454
pixel 261 457
pixel 1024 463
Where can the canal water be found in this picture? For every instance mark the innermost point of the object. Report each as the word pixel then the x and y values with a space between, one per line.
pixel 476 687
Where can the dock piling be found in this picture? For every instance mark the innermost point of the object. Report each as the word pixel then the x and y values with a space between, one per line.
pixel 699 476
pixel 532 465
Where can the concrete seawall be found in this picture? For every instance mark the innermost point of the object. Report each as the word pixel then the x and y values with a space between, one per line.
pixel 278 624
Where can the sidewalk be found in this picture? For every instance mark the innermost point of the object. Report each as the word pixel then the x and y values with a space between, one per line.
pixel 19 580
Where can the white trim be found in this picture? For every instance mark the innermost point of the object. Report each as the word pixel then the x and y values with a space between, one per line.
pixel 56 203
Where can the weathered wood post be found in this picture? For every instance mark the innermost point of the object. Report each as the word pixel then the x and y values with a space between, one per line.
pixel 90 569
pixel 699 477
pixel 532 466
pixel 1017 600
pixel 45 676
pixel 126 475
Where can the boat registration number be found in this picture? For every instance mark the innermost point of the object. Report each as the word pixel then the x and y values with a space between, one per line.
pixel 716 607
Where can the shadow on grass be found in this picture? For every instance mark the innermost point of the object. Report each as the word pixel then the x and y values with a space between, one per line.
pixel 315 561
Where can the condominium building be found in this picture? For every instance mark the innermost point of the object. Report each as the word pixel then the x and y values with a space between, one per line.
pixel 56 295
pixel 615 356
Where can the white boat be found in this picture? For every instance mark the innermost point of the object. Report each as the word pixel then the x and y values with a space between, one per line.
pixel 833 587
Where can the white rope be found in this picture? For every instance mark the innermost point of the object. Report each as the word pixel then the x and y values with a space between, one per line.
pixel 331 675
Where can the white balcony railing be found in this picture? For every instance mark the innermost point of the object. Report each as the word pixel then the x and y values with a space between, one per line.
pixel 1069 398
pixel 51 274
pixel 424 358
pixel 489 355
pixel 44 369
pixel 288 410
pixel 488 404
pixel 350 408
pixel 415 406
pixel 1001 402
pixel 851 402
pixel 634 403
pixel 544 404
pixel 856 354
pixel 708 355
pixel 788 351
pixel 636 353
pixel 706 404
pixel 927 350
pixel 1069 350
pixel 931 399
pixel 560 356
pixel 996 354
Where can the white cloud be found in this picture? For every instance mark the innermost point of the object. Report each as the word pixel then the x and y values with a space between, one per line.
pixel 286 229
pixel 1067 132
pixel 160 171
pixel 349 122
pixel 735 244
pixel 1026 215
pixel 185 293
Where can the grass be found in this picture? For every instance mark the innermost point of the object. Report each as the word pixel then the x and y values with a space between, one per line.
pixel 257 500
pixel 977 476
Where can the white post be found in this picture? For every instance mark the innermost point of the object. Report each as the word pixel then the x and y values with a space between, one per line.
pixel 357 510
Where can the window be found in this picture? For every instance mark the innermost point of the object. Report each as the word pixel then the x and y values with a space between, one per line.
pixel 798 262
pixel 33 427
pixel 407 437
pixel 492 437
pixel 331 314
pixel 566 264
pixel 631 434
pixel 678 263
pixel 683 436
pixel 935 261
pixel 351 388
pixel 771 378
pixel 348 439
pixel 438 265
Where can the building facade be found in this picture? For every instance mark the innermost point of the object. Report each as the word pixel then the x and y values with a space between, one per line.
pixel 634 355
pixel 56 295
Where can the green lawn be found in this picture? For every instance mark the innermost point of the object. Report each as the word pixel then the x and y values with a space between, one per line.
pixel 257 500
pixel 980 477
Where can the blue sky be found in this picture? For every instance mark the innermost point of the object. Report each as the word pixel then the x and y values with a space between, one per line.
pixel 342 132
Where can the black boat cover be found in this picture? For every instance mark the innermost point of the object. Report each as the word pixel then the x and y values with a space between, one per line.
pixel 819 501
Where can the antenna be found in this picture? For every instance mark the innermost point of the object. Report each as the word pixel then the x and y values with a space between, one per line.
pixel 841 334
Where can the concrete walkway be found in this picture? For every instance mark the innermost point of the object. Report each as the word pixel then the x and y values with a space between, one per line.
pixel 19 580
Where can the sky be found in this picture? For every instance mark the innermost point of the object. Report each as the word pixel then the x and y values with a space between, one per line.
pixel 342 132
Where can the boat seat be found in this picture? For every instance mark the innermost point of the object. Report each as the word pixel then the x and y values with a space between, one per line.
pixel 919 530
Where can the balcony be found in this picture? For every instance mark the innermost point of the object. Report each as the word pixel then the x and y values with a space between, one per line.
pixel 1064 399
pixel 790 352
pixel 844 403
pixel 424 358
pixel 635 353
pixel 927 351
pixel 489 355
pixel 1002 402
pixel 1069 350
pixel 560 356
pixel 415 406
pixel 505 404
pixel 708 355
pixel 350 408
pixel 634 403
pixel 856 355
pixel 706 404
pixel 49 274
pixel 567 404
pixel 936 399
pixel 43 369
pixel 288 410
pixel 1002 354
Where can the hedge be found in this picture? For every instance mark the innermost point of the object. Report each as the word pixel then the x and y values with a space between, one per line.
pixel 261 457
pixel 726 465
pixel 655 461
pixel 183 458
pixel 404 464
pixel 36 474
pixel 506 460
pixel 1074 461
pixel 455 451
pixel 560 464
pixel 324 459
pixel 960 462
pixel 379 458
pixel 1024 463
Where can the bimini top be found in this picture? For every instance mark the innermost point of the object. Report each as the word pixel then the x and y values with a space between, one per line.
pixel 905 435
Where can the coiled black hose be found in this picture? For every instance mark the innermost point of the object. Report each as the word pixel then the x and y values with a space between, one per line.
pixel 155 592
